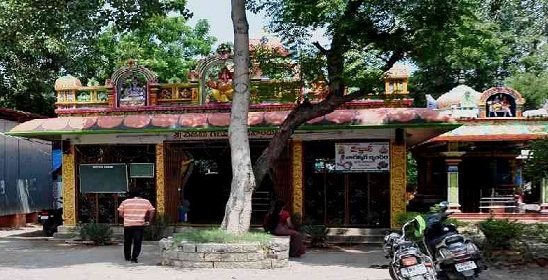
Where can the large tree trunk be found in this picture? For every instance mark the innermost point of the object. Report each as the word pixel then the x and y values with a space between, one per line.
pixel 238 208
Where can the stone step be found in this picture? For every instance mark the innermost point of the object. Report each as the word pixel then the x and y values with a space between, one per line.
pixel 356 235
pixel 356 231
pixel 355 239
pixel 522 217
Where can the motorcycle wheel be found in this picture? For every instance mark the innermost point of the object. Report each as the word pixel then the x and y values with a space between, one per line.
pixel 49 229
pixel 442 275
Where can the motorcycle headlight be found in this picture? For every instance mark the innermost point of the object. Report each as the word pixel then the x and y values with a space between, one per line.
pixel 471 248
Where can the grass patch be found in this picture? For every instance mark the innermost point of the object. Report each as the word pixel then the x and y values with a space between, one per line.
pixel 538 231
pixel 221 236
pixel 499 234
pixel 100 234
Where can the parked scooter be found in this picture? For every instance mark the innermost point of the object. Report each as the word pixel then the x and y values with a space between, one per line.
pixel 407 261
pixel 50 220
pixel 456 256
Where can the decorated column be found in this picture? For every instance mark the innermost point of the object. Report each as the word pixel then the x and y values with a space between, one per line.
pixel 297 174
pixel 69 186
pixel 452 160
pixel 544 196
pixel 398 181
pixel 153 97
pixel 160 179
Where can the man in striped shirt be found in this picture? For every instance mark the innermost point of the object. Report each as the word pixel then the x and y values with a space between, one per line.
pixel 137 213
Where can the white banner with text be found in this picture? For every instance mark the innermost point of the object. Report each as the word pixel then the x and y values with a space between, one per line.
pixel 362 157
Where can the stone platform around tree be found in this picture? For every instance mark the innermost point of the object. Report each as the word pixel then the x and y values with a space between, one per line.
pixel 252 255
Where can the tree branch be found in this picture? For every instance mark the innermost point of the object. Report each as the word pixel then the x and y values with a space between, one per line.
pixel 321 48
pixel 395 57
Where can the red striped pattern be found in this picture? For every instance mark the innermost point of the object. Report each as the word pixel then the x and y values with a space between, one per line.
pixel 134 211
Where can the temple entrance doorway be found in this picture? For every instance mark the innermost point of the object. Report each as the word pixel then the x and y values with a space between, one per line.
pixel 200 174
pixel 343 199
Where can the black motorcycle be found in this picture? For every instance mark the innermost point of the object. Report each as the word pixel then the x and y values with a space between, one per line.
pixel 456 256
pixel 407 261
pixel 50 220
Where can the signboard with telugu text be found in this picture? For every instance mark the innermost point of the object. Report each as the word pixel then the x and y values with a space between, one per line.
pixel 200 135
pixel 362 157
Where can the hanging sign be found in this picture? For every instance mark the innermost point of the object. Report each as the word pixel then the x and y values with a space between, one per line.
pixel 362 157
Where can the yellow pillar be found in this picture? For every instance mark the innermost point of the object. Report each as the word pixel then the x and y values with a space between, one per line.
pixel 69 187
pixel 398 181
pixel 297 170
pixel 452 160
pixel 160 179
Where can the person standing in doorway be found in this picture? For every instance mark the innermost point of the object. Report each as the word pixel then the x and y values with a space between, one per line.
pixel 137 213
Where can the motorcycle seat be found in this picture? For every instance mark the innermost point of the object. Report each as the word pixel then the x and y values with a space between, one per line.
pixel 453 239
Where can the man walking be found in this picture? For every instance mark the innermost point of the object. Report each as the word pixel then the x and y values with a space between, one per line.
pixel 135 211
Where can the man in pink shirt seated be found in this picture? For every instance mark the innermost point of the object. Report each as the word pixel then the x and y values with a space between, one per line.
pixel 137 213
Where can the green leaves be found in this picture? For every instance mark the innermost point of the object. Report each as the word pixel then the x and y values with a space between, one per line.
pixel 533 87
pixel 499 234
pixel 165 44
pixel 536 166
pixel 368 37
pixel 501 40
pixel 42 40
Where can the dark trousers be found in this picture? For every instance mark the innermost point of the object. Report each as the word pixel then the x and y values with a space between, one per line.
pixel 133 235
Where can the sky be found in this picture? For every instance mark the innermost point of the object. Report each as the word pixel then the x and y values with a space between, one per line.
pixel 217 13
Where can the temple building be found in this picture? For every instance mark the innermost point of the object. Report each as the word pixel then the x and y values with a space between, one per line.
pixel 477 166
pixel 344 169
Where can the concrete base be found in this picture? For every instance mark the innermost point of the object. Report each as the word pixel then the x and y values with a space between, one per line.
pixel 356 235
pixel 544 208
pixel 18 220
pixel 454 208
pixel 68 232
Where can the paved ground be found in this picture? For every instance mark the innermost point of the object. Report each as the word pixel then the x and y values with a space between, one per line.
pixel 29 258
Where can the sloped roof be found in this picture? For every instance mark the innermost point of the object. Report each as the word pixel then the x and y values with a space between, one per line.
pixel 381 117
pixel 17 116
pixel 507 130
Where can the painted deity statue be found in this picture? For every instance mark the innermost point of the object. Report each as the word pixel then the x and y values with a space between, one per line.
pixel 221 88
pixel 498 105
pixel 133 95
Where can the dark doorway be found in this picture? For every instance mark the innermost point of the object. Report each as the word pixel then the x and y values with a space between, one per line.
pixel 343 199
pixel 208 186
pixel 495 181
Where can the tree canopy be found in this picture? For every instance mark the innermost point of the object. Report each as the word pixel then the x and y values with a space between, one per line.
pixel 536 165
pixel 381 31
pixel 41 40
pixel 166 45
pixel 503 41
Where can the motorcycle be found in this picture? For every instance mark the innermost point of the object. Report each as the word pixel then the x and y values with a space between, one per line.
pixel 50 220
pixel 456 256
pixel 407 261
